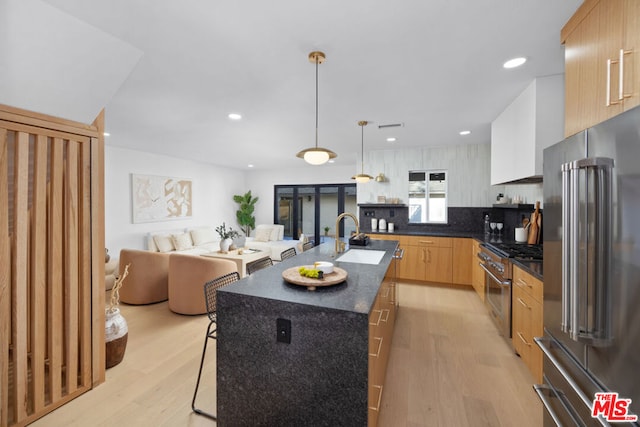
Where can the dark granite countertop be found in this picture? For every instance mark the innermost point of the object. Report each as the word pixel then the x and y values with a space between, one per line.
pixel 357 294
pixel 409 232
pixel 481 237
pixel 532 267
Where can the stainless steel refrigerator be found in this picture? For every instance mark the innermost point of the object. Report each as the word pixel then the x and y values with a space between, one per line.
pixel 592 275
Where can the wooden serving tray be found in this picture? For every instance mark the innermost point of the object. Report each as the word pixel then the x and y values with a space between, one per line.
pixel 293 276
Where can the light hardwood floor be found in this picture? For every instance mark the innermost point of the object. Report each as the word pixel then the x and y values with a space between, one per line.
pixel 448 366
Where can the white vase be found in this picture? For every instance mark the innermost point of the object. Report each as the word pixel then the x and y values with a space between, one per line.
pixel 116 334
pixel 225 244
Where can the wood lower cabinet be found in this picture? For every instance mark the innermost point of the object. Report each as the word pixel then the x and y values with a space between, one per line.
pixel 527 319
pixel 602 63
pixel 434 259
pixel 427 258
pixel 381 323
pixel 477 273
pixel 462 261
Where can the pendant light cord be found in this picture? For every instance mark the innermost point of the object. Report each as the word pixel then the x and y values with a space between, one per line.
pixel 362 151
pixel 316 101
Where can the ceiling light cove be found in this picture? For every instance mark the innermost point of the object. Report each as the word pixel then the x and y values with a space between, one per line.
pixel 235 116
pixel 465 132
pixel 515 62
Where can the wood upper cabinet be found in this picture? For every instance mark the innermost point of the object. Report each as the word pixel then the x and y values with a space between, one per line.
pixel 477 273
pixel 602 76
pixel 527 322
pixel 462 261
pixel 632 60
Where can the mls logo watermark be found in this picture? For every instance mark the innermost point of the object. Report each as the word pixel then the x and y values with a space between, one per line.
pixel 612 408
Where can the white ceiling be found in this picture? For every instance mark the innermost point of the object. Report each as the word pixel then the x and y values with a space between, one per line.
pixel 434 65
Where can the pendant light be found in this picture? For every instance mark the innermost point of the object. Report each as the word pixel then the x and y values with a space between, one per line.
pixel 316 155
pixel 362 177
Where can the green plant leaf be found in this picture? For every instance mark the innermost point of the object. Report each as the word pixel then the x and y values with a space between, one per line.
pixel 244 214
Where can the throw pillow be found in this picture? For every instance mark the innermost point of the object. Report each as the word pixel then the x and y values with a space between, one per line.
pixel 200 236
pixel 263 234
pixel 182 241
pixel 163 243
pixel 275 234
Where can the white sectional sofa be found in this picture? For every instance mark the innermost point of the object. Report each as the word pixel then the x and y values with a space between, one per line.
pixel 200 240
pixel 270 238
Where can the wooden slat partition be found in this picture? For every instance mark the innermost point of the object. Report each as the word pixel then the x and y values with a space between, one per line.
pixel 55 271
pixel 5 280
pixel 51 263
pixel 38 272
pixel 19 281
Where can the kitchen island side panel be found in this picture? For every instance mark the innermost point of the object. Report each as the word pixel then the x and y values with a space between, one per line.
pixel 319 379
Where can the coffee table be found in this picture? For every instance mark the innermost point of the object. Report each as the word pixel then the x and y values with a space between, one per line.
pixel 241 261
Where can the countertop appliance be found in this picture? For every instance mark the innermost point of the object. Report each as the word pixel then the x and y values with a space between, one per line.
pixel 592 274
pixel 495 260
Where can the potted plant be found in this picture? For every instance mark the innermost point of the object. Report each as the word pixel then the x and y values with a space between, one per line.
pixel 226 236
pixel 326 230
pixel 244 214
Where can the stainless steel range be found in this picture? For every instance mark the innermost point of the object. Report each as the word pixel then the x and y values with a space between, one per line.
pixel 496 262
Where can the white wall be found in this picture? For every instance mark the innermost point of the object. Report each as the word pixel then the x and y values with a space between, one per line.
pixel 468 166
pixel 214 187
pixel 213 190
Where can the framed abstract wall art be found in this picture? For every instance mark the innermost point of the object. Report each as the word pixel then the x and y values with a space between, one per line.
pixel 160 198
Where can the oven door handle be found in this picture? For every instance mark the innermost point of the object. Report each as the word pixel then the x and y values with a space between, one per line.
pixel 493 276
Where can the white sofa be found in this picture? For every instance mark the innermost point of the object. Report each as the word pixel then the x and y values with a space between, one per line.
pixel 194 241
pixel 270 238
pixel 201 240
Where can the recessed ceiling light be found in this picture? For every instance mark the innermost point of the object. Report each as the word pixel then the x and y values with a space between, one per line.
pixel 106 134
pixel 515 62
pixel 391 139
pixel 250 165
pixel 234 116
pixel 465 132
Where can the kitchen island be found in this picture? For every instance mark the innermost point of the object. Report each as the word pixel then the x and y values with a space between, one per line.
pixel 287 356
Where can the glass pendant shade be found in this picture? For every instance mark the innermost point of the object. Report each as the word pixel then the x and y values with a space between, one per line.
pixel 361 178
pixel 315 156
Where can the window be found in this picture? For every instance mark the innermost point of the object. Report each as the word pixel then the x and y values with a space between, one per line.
pixel 428 196
pixel 310 208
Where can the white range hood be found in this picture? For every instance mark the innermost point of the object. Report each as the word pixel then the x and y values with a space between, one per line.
pixel 532 122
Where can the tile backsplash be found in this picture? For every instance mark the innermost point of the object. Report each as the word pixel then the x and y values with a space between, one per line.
pixel 460 220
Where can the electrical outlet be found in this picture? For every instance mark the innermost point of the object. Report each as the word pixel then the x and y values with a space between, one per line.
pixel 283 328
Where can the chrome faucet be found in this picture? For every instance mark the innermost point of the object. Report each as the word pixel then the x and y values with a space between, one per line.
pixel 340 245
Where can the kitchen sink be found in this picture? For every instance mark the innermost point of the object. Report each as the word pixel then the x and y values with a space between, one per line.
pixel 362 256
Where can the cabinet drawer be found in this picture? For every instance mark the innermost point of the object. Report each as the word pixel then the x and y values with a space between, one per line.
pixel 430 241
pixel 527 324
pixel 528 283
